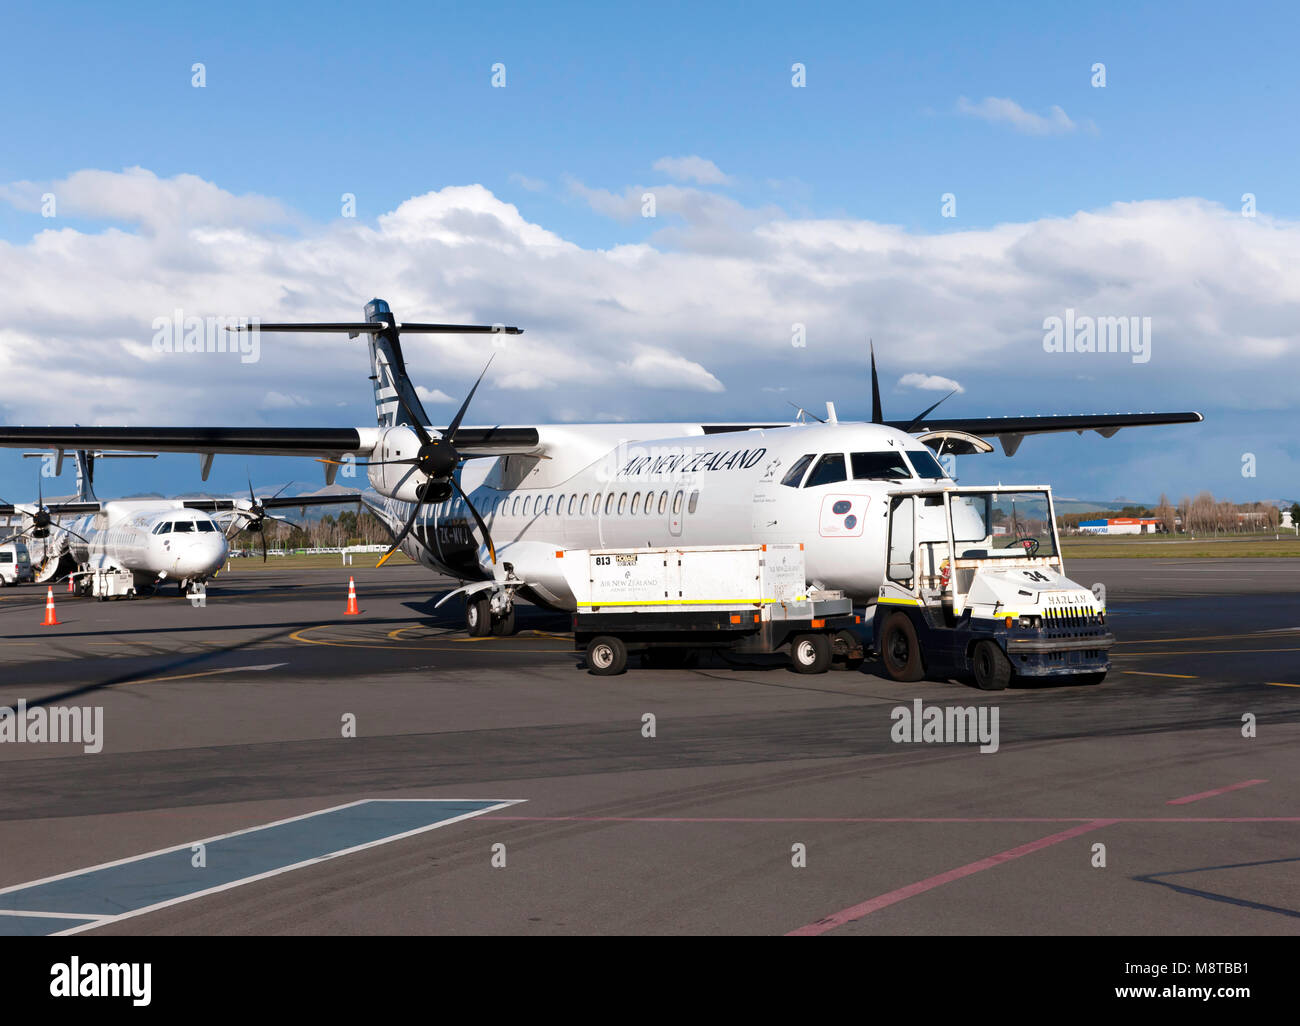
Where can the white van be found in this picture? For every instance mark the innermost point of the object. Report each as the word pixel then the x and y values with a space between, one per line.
pixel 15 564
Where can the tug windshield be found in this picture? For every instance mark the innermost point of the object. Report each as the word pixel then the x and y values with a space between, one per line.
pixel 992 525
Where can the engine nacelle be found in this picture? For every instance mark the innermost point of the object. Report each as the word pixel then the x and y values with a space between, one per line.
pixel 400 481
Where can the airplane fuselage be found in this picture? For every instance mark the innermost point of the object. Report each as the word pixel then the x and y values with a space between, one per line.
pixel 804 484
pixel 152 539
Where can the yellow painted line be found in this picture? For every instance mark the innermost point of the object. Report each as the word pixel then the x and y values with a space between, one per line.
pixel 1203 637
pixel 686 602
pixel 1275 684
pixel 1146 673
pixel 1215 651
pixel 298 636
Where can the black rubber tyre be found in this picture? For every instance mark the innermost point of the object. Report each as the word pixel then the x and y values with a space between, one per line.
pixel 504 626
pixel 810 653
pixel 478 616
pixel 843 641
pixel 991 666
pixel 899 649
pixel 606 656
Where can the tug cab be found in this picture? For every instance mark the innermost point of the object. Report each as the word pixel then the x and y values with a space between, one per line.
pixel 975 587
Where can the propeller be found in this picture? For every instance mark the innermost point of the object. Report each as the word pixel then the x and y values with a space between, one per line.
pixel 42 520
pixel 804 413
pixel 878 414
pixel 254 514
pixel 438 459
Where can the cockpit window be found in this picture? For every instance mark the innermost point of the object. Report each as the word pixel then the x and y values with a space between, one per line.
pixel 183 526
pixel 829 469
pixel 925 464
pixel 880 466
pixel 163 528
pixel 205 525
pixel 795 473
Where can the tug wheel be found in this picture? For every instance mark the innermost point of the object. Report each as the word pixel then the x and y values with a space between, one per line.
pixel 899 649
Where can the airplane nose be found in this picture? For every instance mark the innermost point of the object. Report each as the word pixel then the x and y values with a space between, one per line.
pixel 201 557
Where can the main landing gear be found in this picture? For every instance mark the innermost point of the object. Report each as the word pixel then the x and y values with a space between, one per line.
pixel 489 614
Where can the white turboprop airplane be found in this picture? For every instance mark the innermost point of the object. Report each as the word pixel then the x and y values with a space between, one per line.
pixel 533 491
pixel 153 540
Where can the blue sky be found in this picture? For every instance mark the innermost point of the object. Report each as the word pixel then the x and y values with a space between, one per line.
pixel 306 102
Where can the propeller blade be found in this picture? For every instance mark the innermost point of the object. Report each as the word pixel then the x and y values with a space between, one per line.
pixel 925 413
pixel 262 535
pixel 286 520
pixel 251 497
pixel 454 426
pixel 806 413
pixel 877 414
pixel 368 463
pixel 487 535
pixel 69 530
pixel 281 491
pixel 397 542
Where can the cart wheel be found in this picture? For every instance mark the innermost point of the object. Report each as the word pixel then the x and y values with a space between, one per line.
pixel 991 665
pixel 846 641
pixel 810 653
pixel 478 616
pixel 606 656
pixel 505 625
pixel 899 649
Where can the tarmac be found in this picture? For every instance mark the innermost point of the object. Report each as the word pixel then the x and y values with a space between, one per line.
pixel 266 766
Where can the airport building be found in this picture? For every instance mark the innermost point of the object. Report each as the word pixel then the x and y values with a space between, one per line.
pixel 1121 525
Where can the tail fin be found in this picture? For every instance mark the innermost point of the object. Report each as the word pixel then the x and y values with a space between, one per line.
pixel 388 371
pixel 387 368
pixel 86 466
pixel 85 475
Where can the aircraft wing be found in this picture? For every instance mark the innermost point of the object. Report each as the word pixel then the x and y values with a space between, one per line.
pixel 57 509
pixel 1011 431
pixel 257 441
pixel 279 502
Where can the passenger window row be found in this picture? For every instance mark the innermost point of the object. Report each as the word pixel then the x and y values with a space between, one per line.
pixel 623 504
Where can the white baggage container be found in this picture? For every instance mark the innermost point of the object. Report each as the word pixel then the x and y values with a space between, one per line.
pixel 766 578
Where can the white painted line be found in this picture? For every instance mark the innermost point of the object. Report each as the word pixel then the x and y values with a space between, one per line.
pixel 50 915
pixel 97 920
pixel 501 803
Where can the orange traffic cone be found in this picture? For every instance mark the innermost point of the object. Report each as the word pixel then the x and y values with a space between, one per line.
pixel 352 609
pixel 69 584
pixel 50 619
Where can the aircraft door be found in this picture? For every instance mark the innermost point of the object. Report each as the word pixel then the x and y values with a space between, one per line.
pixel 676 510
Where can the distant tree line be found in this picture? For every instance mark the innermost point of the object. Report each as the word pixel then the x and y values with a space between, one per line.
pixel 1204 515
pixel 347 528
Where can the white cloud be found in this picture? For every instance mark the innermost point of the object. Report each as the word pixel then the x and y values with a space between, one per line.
pixel 930 383
pixel 432 395
pixel 137 196
pixel 531 184
pixel 656 368
pixel 1000 110
pixel 694 321
pixel 692 169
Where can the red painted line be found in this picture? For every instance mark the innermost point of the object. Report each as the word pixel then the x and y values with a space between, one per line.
pixel 1210 794
pixel 886 819
pixel 855 912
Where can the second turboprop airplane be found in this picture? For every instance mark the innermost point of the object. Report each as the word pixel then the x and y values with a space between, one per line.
pixel 123 547
pixel 495 507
